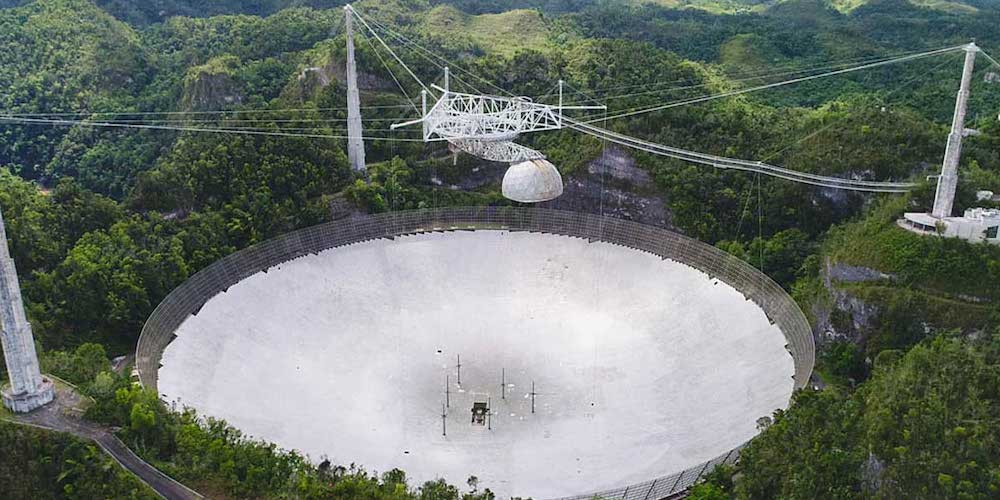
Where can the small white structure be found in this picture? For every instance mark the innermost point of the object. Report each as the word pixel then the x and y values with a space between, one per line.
pixel 976 225
pixel 532 181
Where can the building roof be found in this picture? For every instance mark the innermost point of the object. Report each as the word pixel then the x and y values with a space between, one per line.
pixel 921 218
pixel 982 214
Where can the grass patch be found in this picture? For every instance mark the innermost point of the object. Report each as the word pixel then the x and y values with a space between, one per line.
pixel 5 414
pixel 502 34
pixel 712 6
pixel 945 6
pixel 748 52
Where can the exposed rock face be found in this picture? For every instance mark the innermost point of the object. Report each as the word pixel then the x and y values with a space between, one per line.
pixel 871 474
pixel 614 185
pixel 315 78
pixel 212 86
pixel 836 271
pixel 342 208
pixel 619 165
pixel 482 174
pixel 856 318
pixel 848 317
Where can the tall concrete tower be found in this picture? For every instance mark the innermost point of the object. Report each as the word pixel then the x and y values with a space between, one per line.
pixel 28 389
pixel 944 199
pixel 355 141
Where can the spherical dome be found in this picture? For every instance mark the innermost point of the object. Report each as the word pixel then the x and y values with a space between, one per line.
pixel 532 181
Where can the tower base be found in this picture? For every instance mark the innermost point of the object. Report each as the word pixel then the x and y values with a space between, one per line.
pixel 25 402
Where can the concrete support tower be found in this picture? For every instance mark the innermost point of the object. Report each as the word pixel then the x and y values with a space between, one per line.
pixel 28 389
pixel 355 142
pixel 944 199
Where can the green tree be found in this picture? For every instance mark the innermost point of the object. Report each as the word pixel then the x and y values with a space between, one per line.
pixel 78 367
pixel 47 465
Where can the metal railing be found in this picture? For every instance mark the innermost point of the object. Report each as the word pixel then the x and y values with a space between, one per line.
pixel 187 299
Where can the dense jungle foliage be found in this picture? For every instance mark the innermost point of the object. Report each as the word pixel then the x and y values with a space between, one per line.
pixel 104 221
pixel 42 464
pixel 924 426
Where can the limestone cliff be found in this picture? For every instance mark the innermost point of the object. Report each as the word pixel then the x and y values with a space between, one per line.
pixel 212 85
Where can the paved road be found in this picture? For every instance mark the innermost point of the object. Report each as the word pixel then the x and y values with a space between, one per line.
pixel 58 416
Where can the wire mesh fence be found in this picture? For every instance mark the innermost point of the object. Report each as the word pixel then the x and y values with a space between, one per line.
pixel 187 299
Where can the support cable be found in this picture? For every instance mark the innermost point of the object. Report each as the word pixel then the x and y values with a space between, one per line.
pixel 214 112
pixel 265 129
pixel 400 61
pixel 720 160
pixel 417 46
pixel 746 205
pixel 422 52
pixel 723 162
pixel 759 74
pixel 588 97
pixel 760 167
pixel 227 121
pixel 776 84
pixel 451 75
pixel 708 84
pixel 837 120
pixel 988 57
pixel 392 74
pixel 220 130
pixel 225 124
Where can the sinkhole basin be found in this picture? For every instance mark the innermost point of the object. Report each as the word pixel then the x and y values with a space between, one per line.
pixel 609 354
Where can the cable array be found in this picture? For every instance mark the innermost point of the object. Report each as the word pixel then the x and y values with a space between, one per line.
pixel 257 122
pixel 430 56
pixel 989 58
pixel 785 69
pixel 736 164
pixel 710 97
pixel 185 113
pixel 745 76
pixel 835 121
pixel 178 128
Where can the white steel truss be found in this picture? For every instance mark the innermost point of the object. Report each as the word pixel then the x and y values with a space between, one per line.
pixel 486 126
pixel 501 151
pixel 486 117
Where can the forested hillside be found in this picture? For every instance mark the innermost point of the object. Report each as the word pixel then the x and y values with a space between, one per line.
pixel 924 426
pixel 41 464
pixel 104 221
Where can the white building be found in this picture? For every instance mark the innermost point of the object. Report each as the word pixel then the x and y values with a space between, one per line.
pixel 977 224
